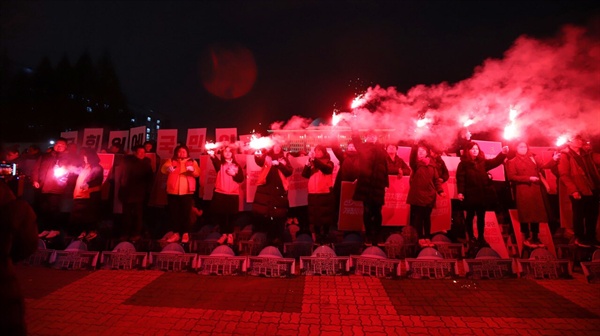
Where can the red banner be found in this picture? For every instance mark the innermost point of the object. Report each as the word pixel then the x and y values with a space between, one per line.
pixel 351 212
pixel 395 211
pixel 196 139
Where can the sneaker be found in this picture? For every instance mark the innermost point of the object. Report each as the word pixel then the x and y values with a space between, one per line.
pixel 81 235
pixel 135 238
pixel 537 243
pixel 167 236
pixel 91 235
pixel 582 243
pixel 230 239
pixel 422 243
pixel 222 239
pixel 43 234
pixel 186 238
pixel 174 238
pixel 52 234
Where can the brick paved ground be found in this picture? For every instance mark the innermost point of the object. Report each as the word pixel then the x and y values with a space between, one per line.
pixel 157 303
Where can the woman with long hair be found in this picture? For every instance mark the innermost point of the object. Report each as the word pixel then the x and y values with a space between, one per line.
pixel 321 207
pixel 425 185
pixel 86 196
pixel 226 196
pixel 475 188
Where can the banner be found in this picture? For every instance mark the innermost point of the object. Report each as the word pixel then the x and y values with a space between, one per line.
pixel 70 136
pixel 226 135
pixel 441 216
pixel 491 149
pixel 544 235
pixel 451 164
pixel 118 138
pixel 492 234
pixel 351 212
pixel 137 137
pixel 395 211
pixel 166 142
pixel 92 138
pixel 107 162
pixel 252 172
pixel 298 188
pixel 208 177
pixel 195 141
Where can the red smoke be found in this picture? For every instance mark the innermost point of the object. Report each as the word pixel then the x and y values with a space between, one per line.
pixel 552 84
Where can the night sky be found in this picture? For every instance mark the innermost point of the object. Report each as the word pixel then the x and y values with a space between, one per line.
pixel 311 57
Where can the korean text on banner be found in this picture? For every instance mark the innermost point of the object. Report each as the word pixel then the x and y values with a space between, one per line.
pixel 118 138
pixel 351 212
pixel 70 136
pixel 137 137
pixel 166 142
pixel 226 134
pixel 92 138
pixel 196 139
pixel 395 211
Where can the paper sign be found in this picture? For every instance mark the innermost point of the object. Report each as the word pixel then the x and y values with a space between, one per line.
pixel 137 137
pixel 226 134
pixel 395 211
pixel 351 212
pixel 70 136
pixel 119 138
pixel 196 139
pixel 92 138
pixel 166 142
pixel 492 234
pixel 544 235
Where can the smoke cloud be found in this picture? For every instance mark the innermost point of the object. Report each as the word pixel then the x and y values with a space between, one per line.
pixel 553 87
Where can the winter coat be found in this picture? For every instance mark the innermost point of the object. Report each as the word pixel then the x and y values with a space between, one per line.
pixel 578 173
pixel 318 172
pixel 136 180
pixel 473 181
pixel 373 174
pixel 181 181
pixel 394 166
pixel 321 202
pixel 225 183
pixel 424 184
pixel 531 197
pixel 270 199
pixel 43 172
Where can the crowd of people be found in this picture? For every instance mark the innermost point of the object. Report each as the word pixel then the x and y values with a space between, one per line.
pixel 65 172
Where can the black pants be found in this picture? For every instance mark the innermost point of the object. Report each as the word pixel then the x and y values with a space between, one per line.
pixel 480 212
pixel 585 216
pixel 272 226
pixel 420 219
pixel 133 218
pixel 535 229
pixel 180 212
pixel 50 217
pixel 372 219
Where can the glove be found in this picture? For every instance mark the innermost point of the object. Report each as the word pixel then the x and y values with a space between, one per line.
pixel 171 169
pixel 190 168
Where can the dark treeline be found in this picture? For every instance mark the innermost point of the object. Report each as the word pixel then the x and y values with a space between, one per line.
pixel 39 103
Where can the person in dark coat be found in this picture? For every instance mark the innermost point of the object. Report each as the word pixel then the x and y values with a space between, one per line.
pixel 425 185
pixel 526 175
pixel 271 200
pixel 135 185
pixel 474 186
pixel 18 240
pixel 395 164
pixel 318 171
pixel 371 183
pixel 580 180
pixel 50 177
pixel 226 196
